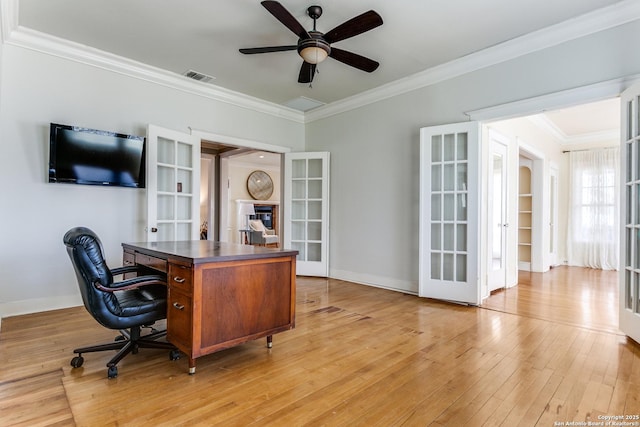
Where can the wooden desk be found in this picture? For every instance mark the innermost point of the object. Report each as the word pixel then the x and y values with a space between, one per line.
pixel 221 294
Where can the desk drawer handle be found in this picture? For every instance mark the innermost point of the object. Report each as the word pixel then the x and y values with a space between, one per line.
pixel 178 306
pixel 179 279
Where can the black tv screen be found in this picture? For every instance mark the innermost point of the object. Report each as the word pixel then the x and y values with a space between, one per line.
pixel 89 156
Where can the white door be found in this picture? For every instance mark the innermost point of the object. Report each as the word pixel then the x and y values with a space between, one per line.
pixel 629 273
pixel 449 212
pixel 173 185
pixel 497 212
pixel 306 211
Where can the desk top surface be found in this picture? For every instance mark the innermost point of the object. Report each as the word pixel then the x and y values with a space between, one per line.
pixel 202 251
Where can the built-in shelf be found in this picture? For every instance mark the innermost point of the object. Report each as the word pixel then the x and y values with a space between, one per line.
pixel 525 213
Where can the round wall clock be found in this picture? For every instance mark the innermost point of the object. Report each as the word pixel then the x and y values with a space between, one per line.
pixel 260 185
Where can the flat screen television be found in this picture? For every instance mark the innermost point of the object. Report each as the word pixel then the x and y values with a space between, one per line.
pixel 80 155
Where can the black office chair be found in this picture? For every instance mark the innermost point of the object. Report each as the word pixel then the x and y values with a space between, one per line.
pixel 127 305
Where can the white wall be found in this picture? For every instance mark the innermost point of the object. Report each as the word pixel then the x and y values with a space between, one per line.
pixel 375 148
pixel 38 89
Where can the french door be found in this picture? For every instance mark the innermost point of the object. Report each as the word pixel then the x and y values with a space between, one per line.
pixel 306 211
pixel 497 212
pixel 630 214
pixel 173 185
pixel 449 212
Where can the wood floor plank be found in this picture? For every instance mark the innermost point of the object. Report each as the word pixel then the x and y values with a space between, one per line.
pixel 546 351
pixel 46 403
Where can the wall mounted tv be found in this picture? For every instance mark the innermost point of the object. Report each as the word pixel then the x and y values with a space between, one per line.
pixel 80 155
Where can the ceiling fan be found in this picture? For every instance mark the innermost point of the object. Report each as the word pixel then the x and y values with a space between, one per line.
pixel 314 46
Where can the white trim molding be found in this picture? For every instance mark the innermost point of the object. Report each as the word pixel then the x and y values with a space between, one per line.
pixel 404 286
pixel 37 305
pixel 563 99
pixel 239 142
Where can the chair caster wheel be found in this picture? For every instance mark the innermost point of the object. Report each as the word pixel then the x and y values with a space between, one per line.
pixel 174 355
pixel 119 338
pixel 77 361
pixel 112 372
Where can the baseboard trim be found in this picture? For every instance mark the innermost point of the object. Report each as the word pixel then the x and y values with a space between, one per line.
pixel 403 286
pixel 36 305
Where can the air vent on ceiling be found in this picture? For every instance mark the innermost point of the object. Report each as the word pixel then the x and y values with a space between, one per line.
pixel 198 76
pixel 303 103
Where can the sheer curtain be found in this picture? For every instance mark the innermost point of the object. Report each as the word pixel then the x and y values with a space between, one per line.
pixel 593 233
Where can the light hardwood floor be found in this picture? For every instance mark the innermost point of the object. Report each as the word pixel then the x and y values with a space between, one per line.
pixel 543 353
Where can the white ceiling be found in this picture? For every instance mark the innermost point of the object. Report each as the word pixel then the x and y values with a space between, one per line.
pixel 417 36
pixel 593 122
pixel 205 35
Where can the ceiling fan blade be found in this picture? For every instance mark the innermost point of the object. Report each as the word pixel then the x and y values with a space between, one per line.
pixel 307 71
pixel 358 61
pixel 268 49
pixel 283 15
pixel 354 26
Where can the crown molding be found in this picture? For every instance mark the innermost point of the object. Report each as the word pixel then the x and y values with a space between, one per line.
pixel 599 20
pixel 16 35
pixel 8 18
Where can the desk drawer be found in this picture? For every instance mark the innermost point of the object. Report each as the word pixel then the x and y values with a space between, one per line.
pixel 128 258
pixel 151 262
pixel 180 277
pixel 179 320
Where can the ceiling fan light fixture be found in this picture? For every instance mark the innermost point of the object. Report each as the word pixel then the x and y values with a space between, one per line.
pixel 314 51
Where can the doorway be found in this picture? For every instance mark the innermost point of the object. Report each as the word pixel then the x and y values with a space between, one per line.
pixel 225 172
pixel 217 219
pixel 543 211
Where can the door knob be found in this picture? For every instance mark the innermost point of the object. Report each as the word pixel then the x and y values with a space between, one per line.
pixel 154 230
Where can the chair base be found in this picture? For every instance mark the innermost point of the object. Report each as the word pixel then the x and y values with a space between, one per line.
pixel 129 341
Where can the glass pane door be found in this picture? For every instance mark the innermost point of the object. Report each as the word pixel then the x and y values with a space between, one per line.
pixel 307 215
pixel 448 212
pixel 630 214
pixel 173 185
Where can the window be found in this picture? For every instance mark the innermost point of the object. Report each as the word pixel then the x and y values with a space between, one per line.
pixel 593 233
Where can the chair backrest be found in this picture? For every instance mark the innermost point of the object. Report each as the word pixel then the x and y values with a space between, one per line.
pixel 85 251
pixel 257 225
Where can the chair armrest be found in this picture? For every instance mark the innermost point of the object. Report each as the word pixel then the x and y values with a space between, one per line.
pixel 123 270
pixel 255 237
pixel 133 283
pixel 270 232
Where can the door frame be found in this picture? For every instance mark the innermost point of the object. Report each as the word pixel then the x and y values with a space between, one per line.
pixel 554 172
